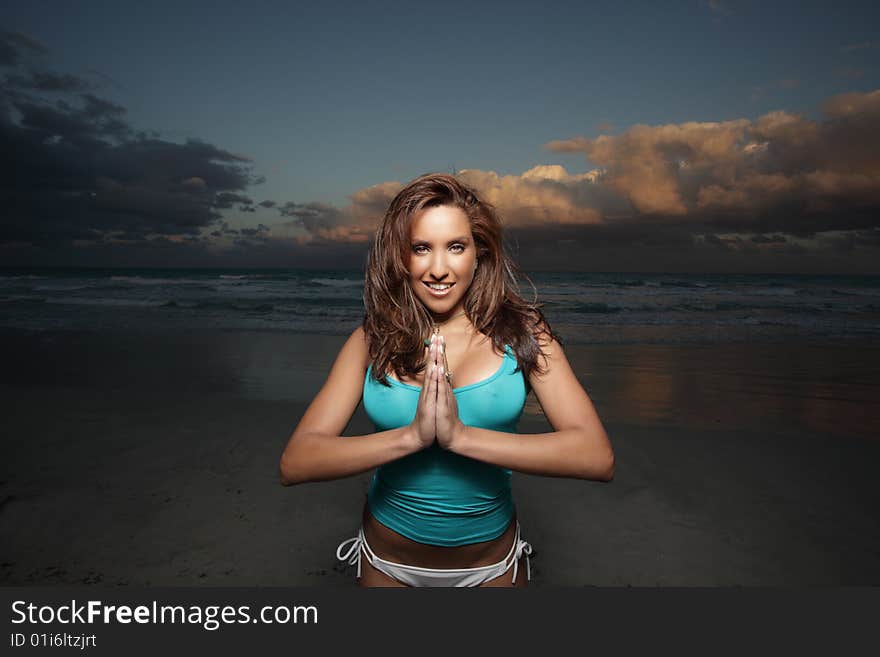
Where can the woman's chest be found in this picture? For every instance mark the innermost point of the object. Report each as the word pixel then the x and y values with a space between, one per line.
pixel 469 361
pixel 494 402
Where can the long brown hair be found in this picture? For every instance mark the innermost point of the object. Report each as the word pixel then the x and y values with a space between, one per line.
pixel 396 322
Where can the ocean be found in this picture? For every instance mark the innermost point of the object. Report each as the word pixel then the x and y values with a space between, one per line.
pixel 583 308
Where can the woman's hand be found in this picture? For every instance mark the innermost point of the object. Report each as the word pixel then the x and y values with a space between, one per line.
pixel 424 424
pixel 449 425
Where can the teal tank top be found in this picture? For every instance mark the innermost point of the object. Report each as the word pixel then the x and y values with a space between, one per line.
pixel 435 496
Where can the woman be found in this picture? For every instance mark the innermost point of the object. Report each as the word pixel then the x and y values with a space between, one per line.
pixel 444 360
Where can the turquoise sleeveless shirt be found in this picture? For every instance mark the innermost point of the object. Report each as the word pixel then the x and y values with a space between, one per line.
pixel 435 496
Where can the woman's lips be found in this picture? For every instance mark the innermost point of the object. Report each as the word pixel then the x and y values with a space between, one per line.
pixel 438 293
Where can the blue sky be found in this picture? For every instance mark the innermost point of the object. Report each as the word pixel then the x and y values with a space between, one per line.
pixel 326 99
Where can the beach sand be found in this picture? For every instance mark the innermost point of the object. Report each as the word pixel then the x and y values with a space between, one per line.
pixel 152 459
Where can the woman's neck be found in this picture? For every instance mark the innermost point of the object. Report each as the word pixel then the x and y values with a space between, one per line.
pixel 449 321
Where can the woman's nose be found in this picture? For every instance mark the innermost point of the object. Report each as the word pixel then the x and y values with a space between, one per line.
pixel 439 267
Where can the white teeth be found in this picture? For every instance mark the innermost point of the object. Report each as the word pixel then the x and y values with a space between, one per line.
pixel 442 286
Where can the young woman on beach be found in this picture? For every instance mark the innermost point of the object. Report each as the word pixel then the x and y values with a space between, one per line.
pixel 445 357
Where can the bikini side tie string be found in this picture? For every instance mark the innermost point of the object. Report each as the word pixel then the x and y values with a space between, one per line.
pixel 353 555
pixel 522 547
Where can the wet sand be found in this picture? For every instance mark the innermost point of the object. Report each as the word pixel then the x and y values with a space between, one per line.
pixel 152 459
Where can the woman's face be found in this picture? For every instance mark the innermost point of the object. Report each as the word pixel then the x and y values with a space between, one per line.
pixel 442 259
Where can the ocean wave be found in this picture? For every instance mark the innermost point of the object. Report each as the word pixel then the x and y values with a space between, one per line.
pixel 147 280
pixel 63 287
pixel 336 282
pixel 219 305
pixel 102 301
pixel 685 284
pixel 22 298
pixel 778 291
pixel 711 307
pixel 599 308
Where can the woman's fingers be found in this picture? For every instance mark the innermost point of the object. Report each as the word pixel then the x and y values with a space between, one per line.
pixel 429 361
pixel 442 394
pixel 431 402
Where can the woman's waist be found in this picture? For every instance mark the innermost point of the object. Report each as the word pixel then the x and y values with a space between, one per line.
pixel 438 498
pixel 435 474
pixel 390 545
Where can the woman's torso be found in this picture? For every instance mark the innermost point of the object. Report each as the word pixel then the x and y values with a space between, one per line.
pixel 436 508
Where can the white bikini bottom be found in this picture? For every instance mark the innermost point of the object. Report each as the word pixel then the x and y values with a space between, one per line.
pixel 417 576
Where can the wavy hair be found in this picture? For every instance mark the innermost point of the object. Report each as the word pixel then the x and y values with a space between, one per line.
pixel 396 322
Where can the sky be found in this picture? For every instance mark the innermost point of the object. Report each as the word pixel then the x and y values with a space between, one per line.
pixel 701 135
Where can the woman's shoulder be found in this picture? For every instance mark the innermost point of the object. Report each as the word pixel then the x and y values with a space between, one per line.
pixel 357 348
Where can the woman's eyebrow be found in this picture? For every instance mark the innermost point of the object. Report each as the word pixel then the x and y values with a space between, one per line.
pixel 462 238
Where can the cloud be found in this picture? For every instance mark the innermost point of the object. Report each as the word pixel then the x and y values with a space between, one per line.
pixel 320 224
pixel 324 223
pixel 228 199
pixel 82 174
pixel 780 172
pixel 48 81
pixel 15 46
pixel 545 194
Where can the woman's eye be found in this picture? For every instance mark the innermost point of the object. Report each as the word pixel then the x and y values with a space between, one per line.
pixel 421 248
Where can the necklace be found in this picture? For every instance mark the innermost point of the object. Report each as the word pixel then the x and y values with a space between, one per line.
pixel 437 326
pixel 436 331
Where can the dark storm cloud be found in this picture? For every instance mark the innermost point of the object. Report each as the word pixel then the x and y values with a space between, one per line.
pixel 253 238
pixel 255 232
pixel 768 239
pixel 75 170
pixel 48 81
pixel 321 223
pixel 228 199
pixel 86 118
pixel 312 215
pixel 15 45
pixel 324 223
pixel 850 241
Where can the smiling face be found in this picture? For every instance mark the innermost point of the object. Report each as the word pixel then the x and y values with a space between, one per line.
pixel 442 259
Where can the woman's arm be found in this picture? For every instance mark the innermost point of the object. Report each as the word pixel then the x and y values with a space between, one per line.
pixel 316 451
pixel 579 446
